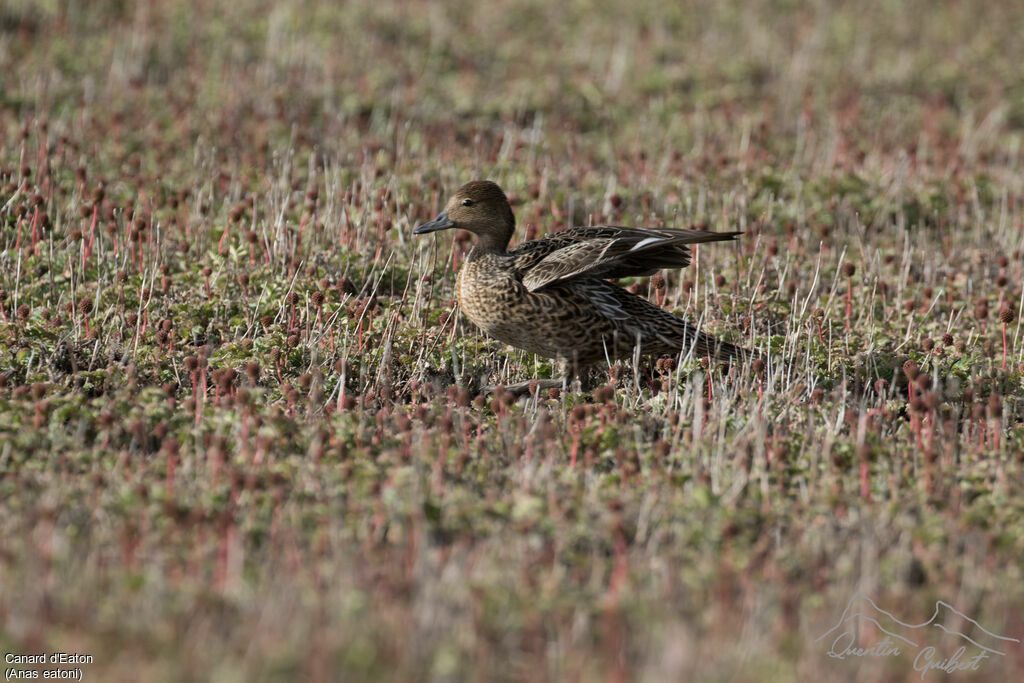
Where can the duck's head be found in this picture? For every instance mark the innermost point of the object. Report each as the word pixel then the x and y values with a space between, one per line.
pixel 481 208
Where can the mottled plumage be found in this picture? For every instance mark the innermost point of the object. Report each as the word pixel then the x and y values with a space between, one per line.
pixel 551 295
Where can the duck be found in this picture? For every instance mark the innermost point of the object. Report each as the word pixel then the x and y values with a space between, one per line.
pixel 555 296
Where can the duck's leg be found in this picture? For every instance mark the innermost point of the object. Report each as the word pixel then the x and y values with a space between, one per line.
pixel 575 375
pixel 570 377
pixel 520 388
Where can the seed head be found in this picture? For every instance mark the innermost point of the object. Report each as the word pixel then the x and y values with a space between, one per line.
pixel 226 380
pixel 604 394
pixel 252 371
pixel 910 369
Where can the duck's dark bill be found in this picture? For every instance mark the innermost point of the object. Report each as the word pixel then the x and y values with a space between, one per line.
pixel 440 223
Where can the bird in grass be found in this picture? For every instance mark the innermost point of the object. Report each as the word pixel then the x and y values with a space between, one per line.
pixel 552 296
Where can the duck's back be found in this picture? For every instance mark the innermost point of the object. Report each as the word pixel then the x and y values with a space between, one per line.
pixel 550 296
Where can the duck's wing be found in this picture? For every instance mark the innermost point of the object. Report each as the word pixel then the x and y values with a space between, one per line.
pixel 606 251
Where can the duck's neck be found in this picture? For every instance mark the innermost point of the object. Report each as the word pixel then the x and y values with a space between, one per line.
pixel 490 244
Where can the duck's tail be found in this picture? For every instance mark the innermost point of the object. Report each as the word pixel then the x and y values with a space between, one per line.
pixel 678 335
pixel 704 345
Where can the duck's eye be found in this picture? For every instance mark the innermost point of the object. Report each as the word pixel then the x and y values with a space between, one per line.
pixel 467 202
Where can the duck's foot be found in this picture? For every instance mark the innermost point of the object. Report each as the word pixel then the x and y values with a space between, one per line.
pixel 521 388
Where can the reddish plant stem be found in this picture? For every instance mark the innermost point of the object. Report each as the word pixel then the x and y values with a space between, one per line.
pixel 92 236
pixel 865 483
pixel 35 223
pixel 223 237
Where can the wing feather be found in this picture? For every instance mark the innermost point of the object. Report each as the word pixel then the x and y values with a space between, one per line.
pixel 607 252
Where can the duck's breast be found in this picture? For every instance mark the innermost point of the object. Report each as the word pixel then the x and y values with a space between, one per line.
pixel 488 294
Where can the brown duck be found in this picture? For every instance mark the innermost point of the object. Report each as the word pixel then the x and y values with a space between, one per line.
pixel 551 295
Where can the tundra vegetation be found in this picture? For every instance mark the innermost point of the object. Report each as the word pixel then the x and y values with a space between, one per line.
pixel 240 430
